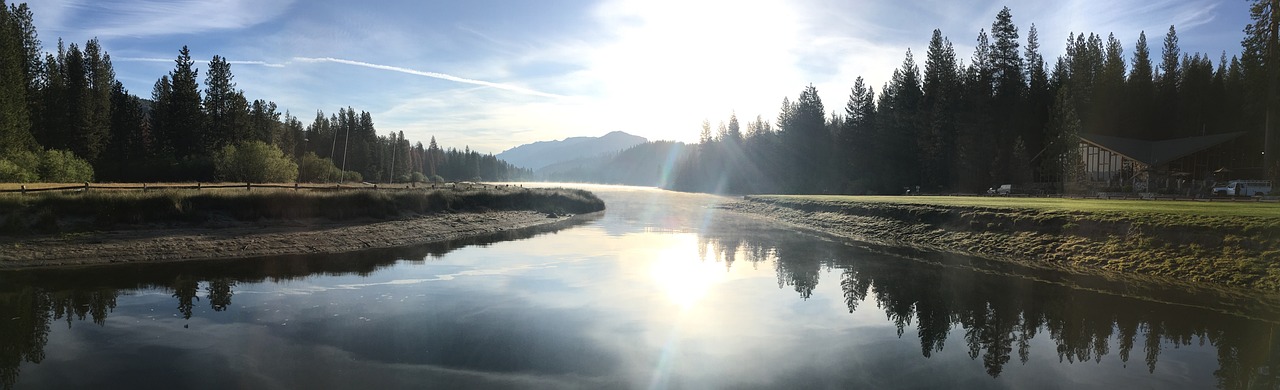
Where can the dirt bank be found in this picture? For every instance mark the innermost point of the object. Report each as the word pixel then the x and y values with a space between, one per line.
pixel 1184 252
pixel 235 239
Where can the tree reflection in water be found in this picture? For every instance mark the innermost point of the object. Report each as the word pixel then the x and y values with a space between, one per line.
pixel 31 300
pixel 997 309
pixel 1001 308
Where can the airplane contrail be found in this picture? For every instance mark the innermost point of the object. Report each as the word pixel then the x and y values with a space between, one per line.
pixel 435 75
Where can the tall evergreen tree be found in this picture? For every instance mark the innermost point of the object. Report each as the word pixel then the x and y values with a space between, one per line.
pixel 15 120
pixel 1167 86
pixel 161 101
pixel 225 109
pixel 941 88
pixel 805 137
pixel 184 122
pixel 1262 66
pixel 100 76
pixel 1140 92
pixel 1039 99
pixel 1007 111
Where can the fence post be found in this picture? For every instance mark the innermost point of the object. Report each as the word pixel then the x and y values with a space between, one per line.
pixel 375 187
pixel 144 187
pixel 24 188
pixel 248 187
pixel 295 186
pixel 197 186
pixel 86 186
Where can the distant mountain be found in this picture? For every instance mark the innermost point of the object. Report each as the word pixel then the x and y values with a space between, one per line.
pixel 541 154
pixel 647 164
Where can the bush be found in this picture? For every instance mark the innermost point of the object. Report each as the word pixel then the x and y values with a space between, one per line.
pixel 418 177
pixel 60 166
pixel 54 166
pixel 437 179
pixel 254 162
pixel 20 167
pixel 352 176
pixel 313 169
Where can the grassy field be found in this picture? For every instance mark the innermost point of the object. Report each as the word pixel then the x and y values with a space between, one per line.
pixel 52 212
pixel 1183 207
pixel 1243 215
pixel 1227 243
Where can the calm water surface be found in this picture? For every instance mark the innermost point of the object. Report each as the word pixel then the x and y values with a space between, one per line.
pixel 662 291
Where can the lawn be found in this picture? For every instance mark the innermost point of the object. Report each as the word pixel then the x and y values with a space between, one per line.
pixel 1106 206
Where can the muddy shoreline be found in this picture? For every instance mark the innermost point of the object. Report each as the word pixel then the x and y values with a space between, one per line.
pixel 236 239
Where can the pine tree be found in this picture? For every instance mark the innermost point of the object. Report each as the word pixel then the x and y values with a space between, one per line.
pixel 161 101
pixel 435 157
pixel 184 120
pixel 1167 87
pixel 734 130
pixel 1141 91
pixel 101 79
pixel 15 120
pixel 1261 63
pixel 938 107
pixel 1039 98
pixel 226 110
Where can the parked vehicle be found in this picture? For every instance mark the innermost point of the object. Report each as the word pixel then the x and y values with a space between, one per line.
pixel 1243 188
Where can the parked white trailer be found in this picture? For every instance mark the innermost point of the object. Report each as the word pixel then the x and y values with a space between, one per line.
pixel 1243 188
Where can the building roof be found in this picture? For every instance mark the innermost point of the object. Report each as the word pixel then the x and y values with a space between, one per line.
pixel 1158 152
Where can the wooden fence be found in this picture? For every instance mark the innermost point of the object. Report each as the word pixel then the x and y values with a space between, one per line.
pixel 250 186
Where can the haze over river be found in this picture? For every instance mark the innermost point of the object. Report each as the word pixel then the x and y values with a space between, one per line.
pixel 663 290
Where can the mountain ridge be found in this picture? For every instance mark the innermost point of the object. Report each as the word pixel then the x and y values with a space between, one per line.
pixel 541 154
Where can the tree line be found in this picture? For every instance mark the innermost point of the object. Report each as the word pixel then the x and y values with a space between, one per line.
pixel 65 118
pixel 1005 116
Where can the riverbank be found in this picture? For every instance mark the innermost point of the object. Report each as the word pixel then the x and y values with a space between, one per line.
pixel 1230 245
pixel 176 226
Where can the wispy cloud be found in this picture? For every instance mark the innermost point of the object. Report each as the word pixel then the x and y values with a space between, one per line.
pixel 233 62
pixel 435 75
pixel 142 18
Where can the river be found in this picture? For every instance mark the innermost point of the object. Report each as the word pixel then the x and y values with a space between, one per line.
pixel 663 290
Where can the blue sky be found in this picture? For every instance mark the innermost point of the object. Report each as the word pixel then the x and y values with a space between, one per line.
pixel 496 74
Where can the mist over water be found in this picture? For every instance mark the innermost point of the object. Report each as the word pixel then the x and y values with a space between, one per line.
pixel 663 290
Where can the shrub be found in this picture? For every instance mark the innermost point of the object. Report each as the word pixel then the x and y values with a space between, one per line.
pixel 417 177
pixel 254 162
pixel 56 166
pixel 437 179
pixel 61 166
pixel 20 167
pixel 313 169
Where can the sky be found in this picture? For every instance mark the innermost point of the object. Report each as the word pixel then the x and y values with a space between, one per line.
pixel 492 74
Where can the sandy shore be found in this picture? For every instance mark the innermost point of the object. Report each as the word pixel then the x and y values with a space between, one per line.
pixel 240 239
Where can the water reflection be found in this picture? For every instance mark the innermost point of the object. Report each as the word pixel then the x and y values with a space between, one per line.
pixel 588 310
pixel 999 312
pixel 31 301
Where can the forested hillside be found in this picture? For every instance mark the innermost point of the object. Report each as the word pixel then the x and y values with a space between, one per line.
pixel 65 118
pixel 1005 115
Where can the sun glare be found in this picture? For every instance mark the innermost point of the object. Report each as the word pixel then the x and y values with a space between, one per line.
pixel 694 60
pixel 684 277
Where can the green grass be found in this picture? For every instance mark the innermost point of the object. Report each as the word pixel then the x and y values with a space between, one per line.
pixel 1213 209
pixel 1234 215
pixel 1227 243
pixel 65 212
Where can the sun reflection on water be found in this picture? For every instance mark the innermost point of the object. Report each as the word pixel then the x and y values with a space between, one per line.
pixel 683 275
